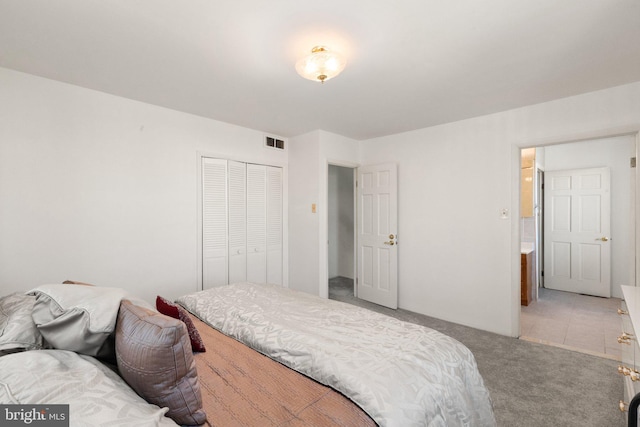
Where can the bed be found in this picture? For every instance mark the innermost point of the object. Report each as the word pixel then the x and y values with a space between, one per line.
pixel 399 373
pixel 273 357
pixel 241 387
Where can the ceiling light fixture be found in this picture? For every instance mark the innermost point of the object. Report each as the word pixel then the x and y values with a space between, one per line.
pixel 322 64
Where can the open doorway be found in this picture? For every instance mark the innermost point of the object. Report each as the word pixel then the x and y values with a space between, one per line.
pixel 341 237
pixel 572 319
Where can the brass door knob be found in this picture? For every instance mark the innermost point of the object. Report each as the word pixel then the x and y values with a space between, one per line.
pixel 633 374
pixel 625 338
pixel 622 406
pixel 622 312
pixel 603 239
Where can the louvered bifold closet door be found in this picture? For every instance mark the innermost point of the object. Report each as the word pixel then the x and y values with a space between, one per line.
pixel 237 222
pixel 256 223
pixel 274 225
pixel 214 223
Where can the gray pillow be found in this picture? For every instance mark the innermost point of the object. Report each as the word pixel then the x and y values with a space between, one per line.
pixel 17 330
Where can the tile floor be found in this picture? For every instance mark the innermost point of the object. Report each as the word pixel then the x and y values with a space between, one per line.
pixel 578 322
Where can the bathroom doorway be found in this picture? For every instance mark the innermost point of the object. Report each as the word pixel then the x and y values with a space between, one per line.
pixel 573 320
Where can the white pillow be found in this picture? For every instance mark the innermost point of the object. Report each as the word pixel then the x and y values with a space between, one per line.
pixel 78 318
pixel 95 394
pixel 17 330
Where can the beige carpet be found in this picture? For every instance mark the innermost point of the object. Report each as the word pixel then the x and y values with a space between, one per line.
pixel 531 384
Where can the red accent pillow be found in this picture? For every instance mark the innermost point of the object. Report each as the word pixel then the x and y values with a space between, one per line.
pixel 174 310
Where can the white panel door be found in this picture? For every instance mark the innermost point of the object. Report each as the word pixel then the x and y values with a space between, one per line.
pixel 274 225
pixel 256 223
pixel 214 223
pixel 377 223
pixel 577 217
pixel 237 173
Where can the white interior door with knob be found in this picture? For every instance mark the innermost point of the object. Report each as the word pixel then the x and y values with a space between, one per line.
pixel 377 222
pixel 577 217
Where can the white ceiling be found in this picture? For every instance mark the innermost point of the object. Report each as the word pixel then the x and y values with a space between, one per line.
pixel 411 63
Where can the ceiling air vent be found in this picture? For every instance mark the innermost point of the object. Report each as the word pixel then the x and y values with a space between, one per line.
pixel 274 142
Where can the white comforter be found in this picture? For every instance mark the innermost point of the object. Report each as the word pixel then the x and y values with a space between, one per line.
pixel 400 373
pixel 96 395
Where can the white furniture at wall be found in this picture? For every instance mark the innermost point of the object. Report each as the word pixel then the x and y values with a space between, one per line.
pixel 241 223
pixel 630 355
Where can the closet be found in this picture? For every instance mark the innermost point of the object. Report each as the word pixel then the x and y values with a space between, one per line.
pixel 241 223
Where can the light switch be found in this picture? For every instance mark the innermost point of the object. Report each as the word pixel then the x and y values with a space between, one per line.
pixel 313 208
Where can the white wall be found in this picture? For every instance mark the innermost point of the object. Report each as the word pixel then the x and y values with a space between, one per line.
pixel 615 154
pixel 341 222
pixel 458 260
pixel 453 247
pixel 309 159
pixel 103 189
pixel 304 237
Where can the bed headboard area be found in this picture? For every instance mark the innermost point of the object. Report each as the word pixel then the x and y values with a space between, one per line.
pixel 273 357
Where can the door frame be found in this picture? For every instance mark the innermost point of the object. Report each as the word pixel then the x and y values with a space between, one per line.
pixel 354 237
pixel 633 130
pixel 539 212
pixel 323 285
pixel 324 228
